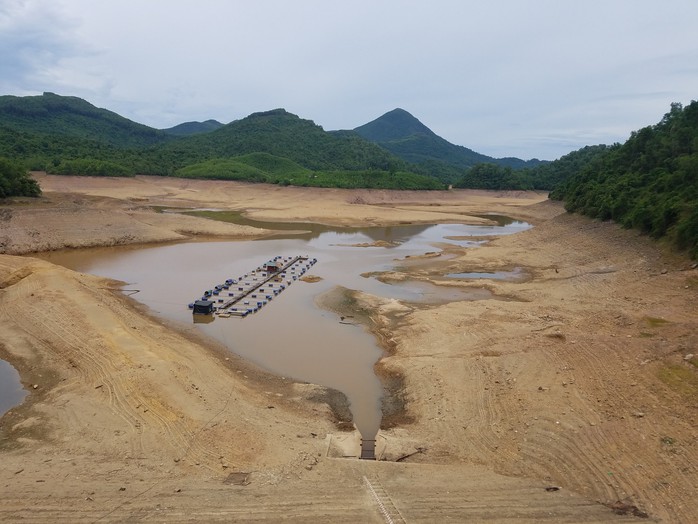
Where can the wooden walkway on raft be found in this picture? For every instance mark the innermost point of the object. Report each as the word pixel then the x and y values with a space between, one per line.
pixel 254 290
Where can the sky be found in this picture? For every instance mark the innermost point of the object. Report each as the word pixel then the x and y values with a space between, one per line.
pixel 522 78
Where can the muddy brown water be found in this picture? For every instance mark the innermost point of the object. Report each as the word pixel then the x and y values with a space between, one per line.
pixel 291 336
pixel 515 274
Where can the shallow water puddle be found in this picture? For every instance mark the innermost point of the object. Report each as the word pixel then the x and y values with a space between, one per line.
pixel 290 336
pixel 515 274
pixel 11 391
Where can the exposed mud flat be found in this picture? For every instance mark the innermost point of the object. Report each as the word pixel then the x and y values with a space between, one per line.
pixel 574 400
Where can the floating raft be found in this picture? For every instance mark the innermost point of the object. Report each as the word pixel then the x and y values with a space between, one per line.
pixel 252 291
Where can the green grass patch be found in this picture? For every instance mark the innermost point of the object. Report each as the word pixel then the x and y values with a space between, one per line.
pixel 223 169
pixel 264 167
pixel 222 216
pixel 680 378
pixel 272 165
pixel 655 322
pixel 90 167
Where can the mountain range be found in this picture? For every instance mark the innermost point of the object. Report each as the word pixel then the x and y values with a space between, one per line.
pixel 650 182
pixel 68 126
pixel 405 136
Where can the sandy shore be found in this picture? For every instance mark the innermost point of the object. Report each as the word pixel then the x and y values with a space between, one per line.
pixel 568 395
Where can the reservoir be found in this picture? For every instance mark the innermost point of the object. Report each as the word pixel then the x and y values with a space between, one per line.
pixel 291 336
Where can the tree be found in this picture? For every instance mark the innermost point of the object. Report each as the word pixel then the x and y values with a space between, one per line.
pixel 491 176
pixel 649 183
pixel 15 180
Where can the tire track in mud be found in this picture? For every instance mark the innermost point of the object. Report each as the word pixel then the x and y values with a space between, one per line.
pixel 604 432
pixel 94 363
pixel 198 440
pixel 101 367
pixel 156 417
pixel 575 447
pixel 592 449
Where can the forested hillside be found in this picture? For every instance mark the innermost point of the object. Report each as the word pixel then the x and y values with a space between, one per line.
pixel 193 128
pixel 67 135
pixel 68 116
pixel 406 137
pixel 649 183
pixel 282 134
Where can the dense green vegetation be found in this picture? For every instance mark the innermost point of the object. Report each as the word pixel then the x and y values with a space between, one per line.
pixel 67 135
pixel 193 128
pixel 89 167
pixel 281 134
pixel 223 169
pixel 492 176
pixel 273 165
pixel 369 178
pixel 549 175
pixel 69 116
pixel 263 167
pixel 542 177
pixel 649 183
pixel 15 180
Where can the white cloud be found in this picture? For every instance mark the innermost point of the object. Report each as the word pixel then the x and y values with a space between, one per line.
pixel 532 79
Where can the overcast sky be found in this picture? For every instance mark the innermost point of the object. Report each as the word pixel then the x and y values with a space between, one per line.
pixel 525 78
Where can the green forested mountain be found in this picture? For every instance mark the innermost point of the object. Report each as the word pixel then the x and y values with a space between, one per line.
pixel 649 183
pixel 405 136
pixel 397 125
pixel 193 128
pixel 66 135
pixel 67 116
pixel 283 134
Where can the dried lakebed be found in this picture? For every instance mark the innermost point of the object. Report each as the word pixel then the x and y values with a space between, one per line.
pixel 292 337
